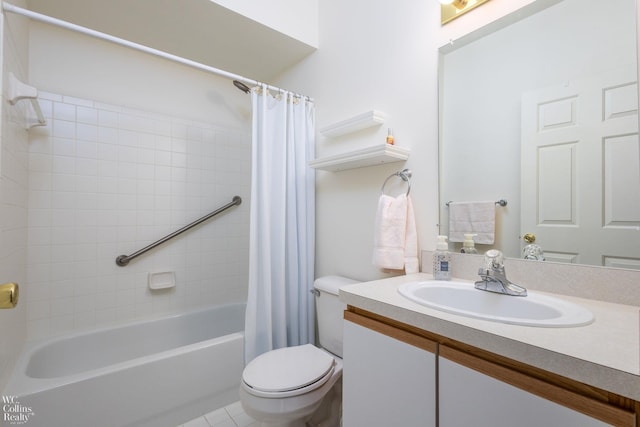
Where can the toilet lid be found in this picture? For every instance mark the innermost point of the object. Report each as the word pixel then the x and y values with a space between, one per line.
pixel 287 368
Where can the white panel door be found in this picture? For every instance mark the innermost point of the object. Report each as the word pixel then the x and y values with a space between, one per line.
pixel 386 382
pixel 580 162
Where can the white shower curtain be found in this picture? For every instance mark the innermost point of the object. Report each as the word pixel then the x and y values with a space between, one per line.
pixel 280 307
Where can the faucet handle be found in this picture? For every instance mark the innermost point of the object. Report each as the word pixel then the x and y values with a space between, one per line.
pixel 494 259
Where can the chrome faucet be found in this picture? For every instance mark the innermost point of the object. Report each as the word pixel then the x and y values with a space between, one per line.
pixel 494 278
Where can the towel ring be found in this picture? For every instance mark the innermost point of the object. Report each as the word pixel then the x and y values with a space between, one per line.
pixel 404 174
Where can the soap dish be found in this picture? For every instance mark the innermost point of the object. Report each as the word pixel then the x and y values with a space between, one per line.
pixel 163 280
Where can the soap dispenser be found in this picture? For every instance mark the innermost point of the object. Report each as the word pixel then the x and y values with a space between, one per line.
pixel 468 246
pixel 442 260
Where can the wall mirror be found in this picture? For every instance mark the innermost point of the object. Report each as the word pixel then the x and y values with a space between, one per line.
pixel 543 113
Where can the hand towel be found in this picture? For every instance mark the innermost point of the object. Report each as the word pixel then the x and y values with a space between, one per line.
pixel 396 243
pixel 472 217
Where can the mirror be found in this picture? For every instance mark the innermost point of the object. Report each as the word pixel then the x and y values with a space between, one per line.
pixel 485 85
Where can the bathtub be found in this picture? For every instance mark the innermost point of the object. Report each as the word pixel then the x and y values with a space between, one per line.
pixel 156 373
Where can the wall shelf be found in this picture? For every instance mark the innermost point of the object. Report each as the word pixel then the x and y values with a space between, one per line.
pixel 353 124
pixel 370 156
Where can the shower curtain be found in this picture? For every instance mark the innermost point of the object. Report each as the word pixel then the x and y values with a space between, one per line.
pixel 280 307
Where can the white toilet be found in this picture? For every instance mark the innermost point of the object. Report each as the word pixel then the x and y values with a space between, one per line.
pixel 287 386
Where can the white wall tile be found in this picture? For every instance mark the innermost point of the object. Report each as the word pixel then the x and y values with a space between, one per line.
pixel 62 111
pixel 62 306
pixel 76 101
pixel 106 181
pixel 107 135
pixel 64 164
pixel 63 182
pixel 60 324
pixel 163 158
pixel 88 115
pixel 63 217
pixel 63 129
pixel 108 119
pixel 86 132
pixel 87 149
pixel 86 167
pixel 62 254
pixel 127 154
pixel 87 184
pixel 63 200
pixel 39 236
pixel 107 168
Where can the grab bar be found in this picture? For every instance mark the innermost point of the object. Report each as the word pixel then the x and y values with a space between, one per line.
pixel 123 260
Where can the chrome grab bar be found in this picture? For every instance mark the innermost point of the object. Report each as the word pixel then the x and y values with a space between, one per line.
pixel 123 260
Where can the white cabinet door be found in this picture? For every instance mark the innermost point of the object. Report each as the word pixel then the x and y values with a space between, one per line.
pixel 386 382
pixel 468 397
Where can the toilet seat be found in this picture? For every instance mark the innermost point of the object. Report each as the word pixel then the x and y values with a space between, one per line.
pixel 288 371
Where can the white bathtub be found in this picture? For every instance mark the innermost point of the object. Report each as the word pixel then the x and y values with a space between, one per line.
pixel 152 373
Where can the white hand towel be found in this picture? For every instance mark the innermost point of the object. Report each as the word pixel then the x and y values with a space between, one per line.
pixel 395 245
pixel 472 217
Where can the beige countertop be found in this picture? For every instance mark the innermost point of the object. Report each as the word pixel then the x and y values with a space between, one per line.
pixel 604 354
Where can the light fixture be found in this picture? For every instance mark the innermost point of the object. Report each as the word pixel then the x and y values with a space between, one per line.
pixel 451 9
pixel 458 4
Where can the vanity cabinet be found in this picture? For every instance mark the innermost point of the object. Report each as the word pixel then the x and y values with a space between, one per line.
pixel 389 377
pixel 395 373
pixel 476 392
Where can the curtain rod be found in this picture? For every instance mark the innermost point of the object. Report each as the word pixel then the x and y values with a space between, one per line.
pixel 8 7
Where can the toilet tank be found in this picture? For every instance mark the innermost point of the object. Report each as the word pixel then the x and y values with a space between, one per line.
pixel 330 312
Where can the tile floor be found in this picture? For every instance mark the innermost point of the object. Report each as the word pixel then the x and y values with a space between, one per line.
pixel 230 416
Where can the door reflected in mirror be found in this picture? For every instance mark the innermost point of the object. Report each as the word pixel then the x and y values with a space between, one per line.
pixel 543 113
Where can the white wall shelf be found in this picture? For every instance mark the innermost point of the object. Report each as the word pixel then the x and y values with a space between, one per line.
pixel 370 156
pixel 353 124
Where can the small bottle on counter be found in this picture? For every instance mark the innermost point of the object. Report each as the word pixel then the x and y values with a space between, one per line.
pixel 468 246
pixel 390 139
pixel 442 260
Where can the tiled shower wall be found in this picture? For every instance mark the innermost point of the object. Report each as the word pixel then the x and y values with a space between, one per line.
pixel 14 178
pixel 106 180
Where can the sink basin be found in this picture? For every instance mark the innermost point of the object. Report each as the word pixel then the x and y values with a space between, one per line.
pixel 463 299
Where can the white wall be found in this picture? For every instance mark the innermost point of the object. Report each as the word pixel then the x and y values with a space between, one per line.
pixel 296 18
pixel 13 197
pixel 377 55
pixel 74 64
pixel 373 55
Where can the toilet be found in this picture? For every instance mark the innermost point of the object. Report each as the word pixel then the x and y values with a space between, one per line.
pixel 289 386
